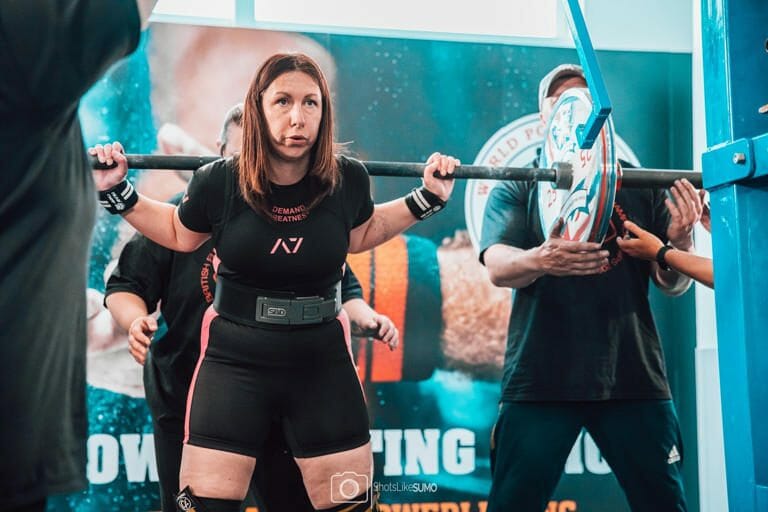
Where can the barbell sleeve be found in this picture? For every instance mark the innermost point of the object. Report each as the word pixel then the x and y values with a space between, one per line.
pixel 657 178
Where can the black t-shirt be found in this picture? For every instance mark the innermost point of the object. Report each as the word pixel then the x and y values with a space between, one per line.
pixel 580 337
pixel 51 52
pixel 295 250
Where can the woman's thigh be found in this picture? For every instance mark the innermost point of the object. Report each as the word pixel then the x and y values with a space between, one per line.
pixel 215 473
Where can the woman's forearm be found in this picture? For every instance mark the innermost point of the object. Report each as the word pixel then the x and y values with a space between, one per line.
pixel 388 220
pixel 692 265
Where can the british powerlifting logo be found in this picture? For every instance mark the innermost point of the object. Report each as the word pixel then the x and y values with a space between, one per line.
pixel 513 145
pixel 208 276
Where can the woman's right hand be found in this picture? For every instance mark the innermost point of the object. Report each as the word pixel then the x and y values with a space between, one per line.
pixel 645 245
pixel 109 154
pixel 444 165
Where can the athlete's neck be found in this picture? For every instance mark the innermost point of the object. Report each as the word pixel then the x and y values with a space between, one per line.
pixel 283 172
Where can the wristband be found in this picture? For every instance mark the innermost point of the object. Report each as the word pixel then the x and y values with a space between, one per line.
pixel 661 257
pixel 120 198
pixel 423 203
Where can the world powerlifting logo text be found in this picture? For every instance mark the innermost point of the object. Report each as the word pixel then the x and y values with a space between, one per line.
pixel 513 145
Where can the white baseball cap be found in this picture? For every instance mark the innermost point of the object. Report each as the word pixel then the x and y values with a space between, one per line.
pixel 560 72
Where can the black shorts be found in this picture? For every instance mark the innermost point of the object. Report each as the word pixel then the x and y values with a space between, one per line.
pixel 277 483
pixel 248 377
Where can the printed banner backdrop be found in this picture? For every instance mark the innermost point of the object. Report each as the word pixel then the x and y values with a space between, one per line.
pixel 433 402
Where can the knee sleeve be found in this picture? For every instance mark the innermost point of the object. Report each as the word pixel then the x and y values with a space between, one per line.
pixel 366 502
pixel 188 502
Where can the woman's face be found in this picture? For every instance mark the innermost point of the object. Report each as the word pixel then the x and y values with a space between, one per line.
pixel 293 110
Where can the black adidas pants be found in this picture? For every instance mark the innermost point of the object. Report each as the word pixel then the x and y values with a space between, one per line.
pixel 640 440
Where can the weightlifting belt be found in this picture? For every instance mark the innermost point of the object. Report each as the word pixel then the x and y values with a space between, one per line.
pixel 252 306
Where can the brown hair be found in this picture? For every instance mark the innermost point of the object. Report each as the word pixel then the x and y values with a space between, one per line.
pixel 253 177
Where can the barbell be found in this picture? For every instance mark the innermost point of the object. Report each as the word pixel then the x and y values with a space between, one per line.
pixel 560 173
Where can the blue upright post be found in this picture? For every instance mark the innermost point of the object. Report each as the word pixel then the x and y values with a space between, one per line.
pixel 601 104
pixel 735 170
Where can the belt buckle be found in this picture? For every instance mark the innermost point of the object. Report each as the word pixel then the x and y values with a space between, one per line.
pixel 273 311
pixel 307 310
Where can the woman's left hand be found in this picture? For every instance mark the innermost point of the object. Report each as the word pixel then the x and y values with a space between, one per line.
pixel 444 165
pixel 645 246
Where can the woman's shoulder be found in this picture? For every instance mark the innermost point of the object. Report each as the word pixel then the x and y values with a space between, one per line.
pixel 217 169
pixel 352 168
pixel 215 175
